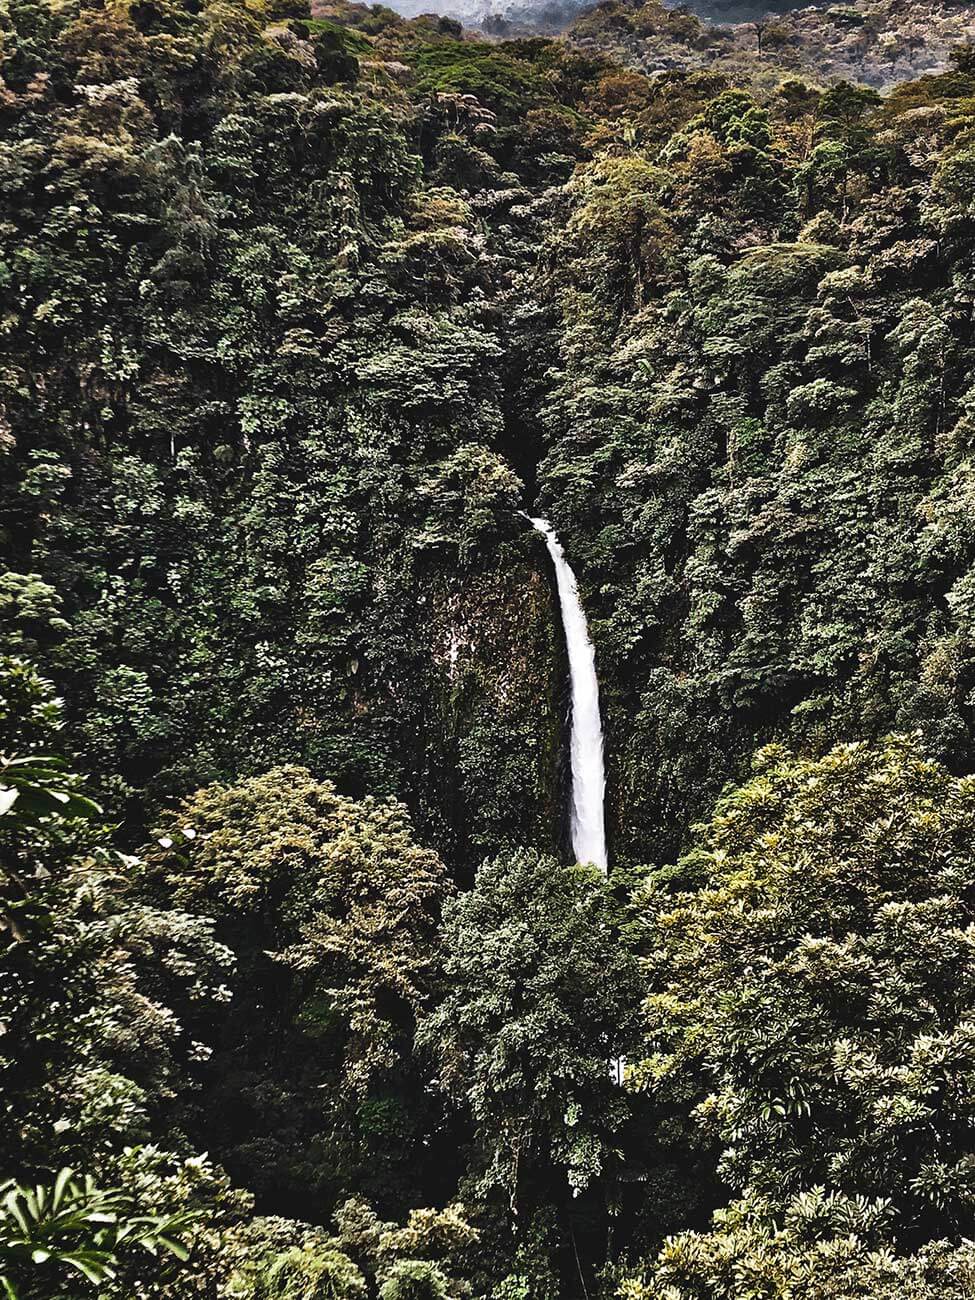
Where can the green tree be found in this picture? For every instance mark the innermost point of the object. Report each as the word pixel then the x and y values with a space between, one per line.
pixel 540 999
pixel 331 909
pixel 812 970
pixel 91 1052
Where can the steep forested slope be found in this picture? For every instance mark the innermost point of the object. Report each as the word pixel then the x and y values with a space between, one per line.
pixel 258 405
pixel 292 325
pixel 759 436
pixel 300 313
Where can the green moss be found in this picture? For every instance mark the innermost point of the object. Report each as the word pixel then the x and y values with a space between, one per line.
pixel 347 37
pixel 504 85
pixel 785 268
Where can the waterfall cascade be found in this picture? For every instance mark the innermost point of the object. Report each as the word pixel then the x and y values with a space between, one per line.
pixel 586 742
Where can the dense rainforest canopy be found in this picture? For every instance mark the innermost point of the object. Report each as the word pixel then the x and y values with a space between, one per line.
pixel 302 996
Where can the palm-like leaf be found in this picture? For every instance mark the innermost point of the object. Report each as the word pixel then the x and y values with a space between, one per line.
pixel 74 1224
pixel 37 787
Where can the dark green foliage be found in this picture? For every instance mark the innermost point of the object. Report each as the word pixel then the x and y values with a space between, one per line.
pixel 540 999
pixel 755 460
pixel 331 910
pixel 90 1050
pixel 50 1234
pixel 414 1280
pixel 99 1058
pixel 300 312
pixel 264 349
pixel 306 1273
pixel 812 969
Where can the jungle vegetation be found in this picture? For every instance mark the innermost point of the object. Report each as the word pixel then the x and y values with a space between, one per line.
pixel 301 994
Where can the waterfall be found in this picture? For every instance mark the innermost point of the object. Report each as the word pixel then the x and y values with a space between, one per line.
pixel 586 743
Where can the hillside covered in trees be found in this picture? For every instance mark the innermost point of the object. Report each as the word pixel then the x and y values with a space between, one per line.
pixel 877 43
pixel 302 995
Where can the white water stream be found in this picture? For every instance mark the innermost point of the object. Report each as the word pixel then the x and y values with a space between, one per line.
pixel 586 741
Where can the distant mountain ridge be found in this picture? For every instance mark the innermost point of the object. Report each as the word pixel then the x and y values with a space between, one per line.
pixel 877 43
pixel 873 42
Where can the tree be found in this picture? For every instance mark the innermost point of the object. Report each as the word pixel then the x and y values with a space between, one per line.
pixel 91 1053
pixel 825 1247
pixel 331 909
pixel 540 998
pixel 812 968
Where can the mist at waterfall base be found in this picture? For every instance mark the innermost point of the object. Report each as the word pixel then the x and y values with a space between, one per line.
pixel 586 735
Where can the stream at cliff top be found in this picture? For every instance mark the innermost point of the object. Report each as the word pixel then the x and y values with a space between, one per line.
pixel 586 737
